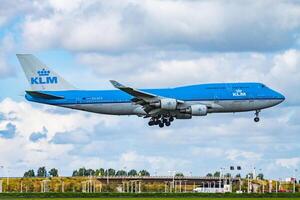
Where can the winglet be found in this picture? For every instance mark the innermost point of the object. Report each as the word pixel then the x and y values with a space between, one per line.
pixel 116 84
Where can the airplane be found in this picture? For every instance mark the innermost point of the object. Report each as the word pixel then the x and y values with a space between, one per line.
pixel 161 106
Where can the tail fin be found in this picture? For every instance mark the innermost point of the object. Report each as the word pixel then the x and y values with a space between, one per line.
pixel 40 77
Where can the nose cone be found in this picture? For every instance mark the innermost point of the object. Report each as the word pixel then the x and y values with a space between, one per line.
pixel 280 98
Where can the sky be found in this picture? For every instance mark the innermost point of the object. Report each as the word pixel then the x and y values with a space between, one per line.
pixel 151 44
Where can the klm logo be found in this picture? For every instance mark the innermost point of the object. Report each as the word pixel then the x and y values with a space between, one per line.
pixel 239 93
pixel 44 78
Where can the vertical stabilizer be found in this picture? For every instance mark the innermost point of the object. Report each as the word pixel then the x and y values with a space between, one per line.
pixel 41 77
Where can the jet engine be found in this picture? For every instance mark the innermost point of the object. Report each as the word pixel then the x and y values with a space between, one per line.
pixel 196 110
pixel 183 116
pixel 166 104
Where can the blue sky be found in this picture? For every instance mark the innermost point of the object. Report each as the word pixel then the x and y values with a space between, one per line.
pixel 151 44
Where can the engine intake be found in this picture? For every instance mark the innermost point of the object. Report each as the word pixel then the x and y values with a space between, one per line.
pixel 196 110
pixel 166 104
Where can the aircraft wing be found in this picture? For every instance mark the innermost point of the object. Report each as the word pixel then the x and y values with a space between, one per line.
pixel 145 99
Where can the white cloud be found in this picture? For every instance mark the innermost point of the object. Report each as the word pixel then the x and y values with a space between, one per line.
pixel 160 164
pixel 290 163
pixel 11 9
pixel 7 44
pixel 278 70
pixel 115 26
pixel 28 120
pixel 248 156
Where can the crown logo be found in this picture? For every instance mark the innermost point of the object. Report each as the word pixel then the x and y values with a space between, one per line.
pixel 43 72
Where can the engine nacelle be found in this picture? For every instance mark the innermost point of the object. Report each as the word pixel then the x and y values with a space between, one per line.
pixel 166 104
pixel 183 116
pixel 197 110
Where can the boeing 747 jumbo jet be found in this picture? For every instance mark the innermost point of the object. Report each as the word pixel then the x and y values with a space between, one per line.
pixel 161 106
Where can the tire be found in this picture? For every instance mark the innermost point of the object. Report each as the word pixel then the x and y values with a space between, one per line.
pixel 256 119
pixel 161 125
pixel 168 123
pixel 151 123
pixel 171 119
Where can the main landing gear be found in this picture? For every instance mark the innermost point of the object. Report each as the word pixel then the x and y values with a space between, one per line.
pixel 161 121
pixel 256 119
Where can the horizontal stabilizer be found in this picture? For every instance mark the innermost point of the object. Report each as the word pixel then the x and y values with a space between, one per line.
pixel 43 95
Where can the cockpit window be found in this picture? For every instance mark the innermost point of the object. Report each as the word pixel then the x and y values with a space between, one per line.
pixel 262 85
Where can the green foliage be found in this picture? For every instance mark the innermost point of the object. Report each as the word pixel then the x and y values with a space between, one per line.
pixel 126 196
pixel 249 175
pixel 144 173
pixel 132 172
pixel 260 176
pixel 100 172
pixel 90 172
pixel 217 174
pixel 41 172
pixel 121 173
pixel 82 171
pixel 110 172
pixel 75 173
pixel 29 173
pixel 53 172
pixel 209 175
pixel 179 174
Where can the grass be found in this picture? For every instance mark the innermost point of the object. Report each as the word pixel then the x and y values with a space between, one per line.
pixel 182 198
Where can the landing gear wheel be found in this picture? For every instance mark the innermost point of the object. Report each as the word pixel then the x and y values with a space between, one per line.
pixel 256 119
pixel 151 123
pixel 168 123
pixel 171 119
pixel 161 125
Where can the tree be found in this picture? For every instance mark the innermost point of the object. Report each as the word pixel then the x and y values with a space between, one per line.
pixel 179 174
pixel 217 174
pixel 132 172
pixel 53 172
pixel 29 173
pixel 121 173
pixel 250 176
pixel 110 172
pixel 90 172
pixel 100 172
pixel 144 173
pixel 227 175
pixel 238 176
pixel 260 176
pixel 82 171
pixel 75 173
pixel 209 175
pixel 42 172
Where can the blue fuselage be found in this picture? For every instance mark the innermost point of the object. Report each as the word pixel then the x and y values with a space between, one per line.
pixel 228 97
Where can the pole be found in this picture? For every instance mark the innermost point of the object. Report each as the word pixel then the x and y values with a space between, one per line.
pixel 248 187
pixel 165 187
pixel 107 180
pixel 294 180
pixel 240 184
pixel 21 186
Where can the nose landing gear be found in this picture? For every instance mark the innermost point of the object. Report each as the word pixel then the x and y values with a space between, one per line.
pixel 256 119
